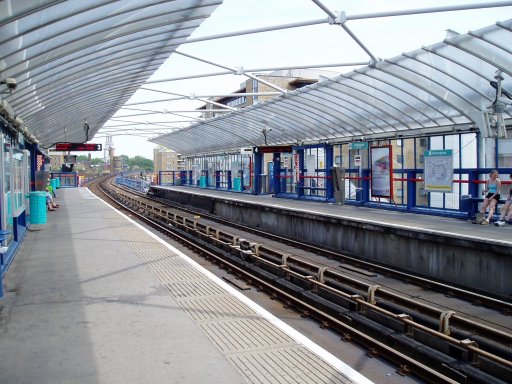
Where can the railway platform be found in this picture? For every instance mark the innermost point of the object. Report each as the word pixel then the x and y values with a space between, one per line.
pixel 92 297
pixel 477 257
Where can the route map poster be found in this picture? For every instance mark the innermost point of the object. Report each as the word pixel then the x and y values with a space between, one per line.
pixel 439 170
pixel 382 172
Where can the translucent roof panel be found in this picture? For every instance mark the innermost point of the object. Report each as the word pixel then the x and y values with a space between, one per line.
pixel 76 61
pixel 445 87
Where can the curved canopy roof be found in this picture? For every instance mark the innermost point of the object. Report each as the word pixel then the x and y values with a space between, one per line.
pixel 79 61
pixel 445 87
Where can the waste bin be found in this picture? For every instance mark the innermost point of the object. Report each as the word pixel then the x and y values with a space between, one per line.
pixel 465 203
pixel 37 207
pixel 237 184
pixel 202 182
pixel 58 181
pixel 359 194
pixel 53 183
pixel 263 184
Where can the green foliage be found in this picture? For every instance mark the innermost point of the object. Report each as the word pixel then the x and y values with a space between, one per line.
pixel 139 162
pixel 96 161
pixel 82 158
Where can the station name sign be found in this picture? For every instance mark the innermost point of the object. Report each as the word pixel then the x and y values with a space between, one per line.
pixel 357 145
pixel 79 147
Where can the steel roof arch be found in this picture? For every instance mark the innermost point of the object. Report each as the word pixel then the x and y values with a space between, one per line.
pixel 80 51
pixel 430 88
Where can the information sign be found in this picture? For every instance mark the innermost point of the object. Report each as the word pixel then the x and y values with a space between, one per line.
pixel 357 145
pixel 78 147
pixel 439 170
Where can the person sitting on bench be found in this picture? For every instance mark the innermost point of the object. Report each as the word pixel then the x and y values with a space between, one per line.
pixel 49 201
pixel 506 211
pixel 492 196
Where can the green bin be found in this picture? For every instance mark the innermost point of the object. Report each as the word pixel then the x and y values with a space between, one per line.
pixel 203 182
pixel 53 183
pixel 58 181
pixel 37 207
pixel 237 184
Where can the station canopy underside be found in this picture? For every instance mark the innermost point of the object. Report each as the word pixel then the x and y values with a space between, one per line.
pixel 441 88
pixel 79 61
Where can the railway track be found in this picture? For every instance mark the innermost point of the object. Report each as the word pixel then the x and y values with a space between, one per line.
pixel 435 344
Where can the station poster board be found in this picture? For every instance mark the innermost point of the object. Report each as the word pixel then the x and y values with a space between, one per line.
pixel 247 171
pixel 382 171
pixel 439 170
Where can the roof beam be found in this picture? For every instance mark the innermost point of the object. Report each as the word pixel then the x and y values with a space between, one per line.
pixel 235 71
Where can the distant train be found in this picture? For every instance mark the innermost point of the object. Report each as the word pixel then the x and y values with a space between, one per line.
pixel 139 185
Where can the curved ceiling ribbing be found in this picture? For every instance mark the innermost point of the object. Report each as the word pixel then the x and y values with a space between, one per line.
pixel 434 89
pixel 76 60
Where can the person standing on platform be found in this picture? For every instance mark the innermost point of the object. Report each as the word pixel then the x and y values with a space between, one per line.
pixel 506 211
pixel 492 197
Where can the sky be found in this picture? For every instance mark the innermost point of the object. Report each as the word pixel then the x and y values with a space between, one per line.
pixel 385 37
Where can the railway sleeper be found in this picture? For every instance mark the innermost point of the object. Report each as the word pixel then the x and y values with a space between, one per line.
pixel 398 340
pixel 494 348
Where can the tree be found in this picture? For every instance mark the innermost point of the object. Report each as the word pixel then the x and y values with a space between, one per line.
pixel 141 163
pixel 96 161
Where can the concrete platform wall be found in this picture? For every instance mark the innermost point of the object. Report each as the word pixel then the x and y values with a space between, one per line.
pixel 468 262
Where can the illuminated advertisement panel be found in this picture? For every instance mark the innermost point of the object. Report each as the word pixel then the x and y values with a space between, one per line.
pixel 382 172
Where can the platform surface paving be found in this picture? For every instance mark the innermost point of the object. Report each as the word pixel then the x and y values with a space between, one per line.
pixel 93 298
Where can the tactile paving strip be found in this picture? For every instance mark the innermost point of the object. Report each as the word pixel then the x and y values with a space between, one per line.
pixel 262 352
pixel 189 289
pixel 243 335
pixel 291 365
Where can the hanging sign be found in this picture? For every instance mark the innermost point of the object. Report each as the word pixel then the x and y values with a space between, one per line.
pixel 357 145
pixel 77 147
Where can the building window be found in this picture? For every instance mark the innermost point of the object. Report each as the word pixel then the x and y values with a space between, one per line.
pixel 255 89
pixel 422 192
pixel 400 193
pixel 421 159
pixel 400 159
pixel 423 142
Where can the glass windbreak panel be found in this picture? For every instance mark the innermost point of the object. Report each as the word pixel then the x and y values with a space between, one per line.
pixel 314 172
pixel 286 178
pixel 341 157
pixel 236 171
pixel 505 151
pixel 469 150
pixel 408 160
pixel 422 144
pixel 7 198
pixel 18 190
pixel 436 142
pixel 422 197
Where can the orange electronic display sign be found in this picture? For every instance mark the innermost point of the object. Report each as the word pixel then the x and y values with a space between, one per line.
pixel 77 147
